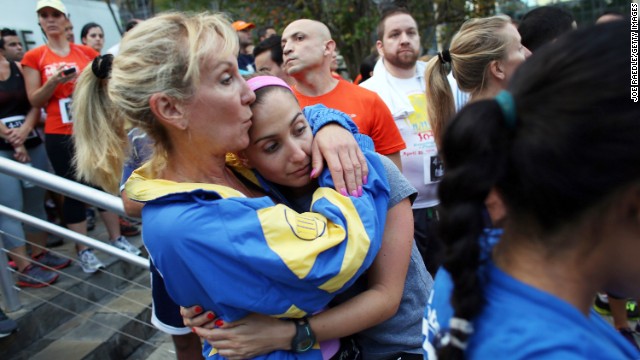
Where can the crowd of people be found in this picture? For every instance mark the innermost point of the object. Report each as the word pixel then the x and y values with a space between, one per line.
pixel 473 205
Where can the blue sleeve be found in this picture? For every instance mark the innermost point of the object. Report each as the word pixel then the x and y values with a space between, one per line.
pixel 266 258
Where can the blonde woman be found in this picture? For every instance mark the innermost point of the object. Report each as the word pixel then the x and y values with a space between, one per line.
pixel 176 78
pixel 50 72
pixel 483 56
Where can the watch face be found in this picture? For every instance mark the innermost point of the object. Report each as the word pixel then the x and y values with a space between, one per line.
pixel 305 344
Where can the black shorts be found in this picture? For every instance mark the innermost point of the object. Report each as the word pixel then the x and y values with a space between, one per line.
pixel 165 312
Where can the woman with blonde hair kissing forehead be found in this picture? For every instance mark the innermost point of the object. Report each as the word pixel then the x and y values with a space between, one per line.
pixel 176 77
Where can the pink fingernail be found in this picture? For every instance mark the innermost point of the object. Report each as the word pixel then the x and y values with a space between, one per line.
pixel 364 179
pixel 343 191
pixel 313 173
pixel 359 191
pixel 210 316
pixel 198 309
pixel 219 323
pixel 354 193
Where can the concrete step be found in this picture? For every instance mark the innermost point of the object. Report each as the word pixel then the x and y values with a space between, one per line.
pixel 158 347
pixel 50 329
pixel 100 329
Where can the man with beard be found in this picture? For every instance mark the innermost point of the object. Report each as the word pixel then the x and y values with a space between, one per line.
pixel 308 50
pixel 398 77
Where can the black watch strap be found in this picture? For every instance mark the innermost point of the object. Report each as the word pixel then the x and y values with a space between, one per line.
pixel 304 338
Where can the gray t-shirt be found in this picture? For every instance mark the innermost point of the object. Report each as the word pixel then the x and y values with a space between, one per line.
pixel 403 331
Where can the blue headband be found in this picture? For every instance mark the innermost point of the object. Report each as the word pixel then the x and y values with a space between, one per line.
pixel 508 107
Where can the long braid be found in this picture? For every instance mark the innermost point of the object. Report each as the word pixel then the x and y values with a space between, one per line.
pixel 475 148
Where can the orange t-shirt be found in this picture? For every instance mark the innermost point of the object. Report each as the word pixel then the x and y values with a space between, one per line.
pixel 366 109
pixel 44 60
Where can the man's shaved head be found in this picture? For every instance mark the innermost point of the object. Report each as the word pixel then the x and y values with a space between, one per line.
pixel 307 47
pixel 313 27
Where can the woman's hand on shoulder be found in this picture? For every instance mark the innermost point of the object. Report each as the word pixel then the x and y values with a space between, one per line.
pixel 348 166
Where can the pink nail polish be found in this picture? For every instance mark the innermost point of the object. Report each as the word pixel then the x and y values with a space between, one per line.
pixel 364 179
pixel 210 316
pixel 354 193
pixel 313 173
pixel 219 323
pixel 198 309
pixel 343 191
pixel 359 191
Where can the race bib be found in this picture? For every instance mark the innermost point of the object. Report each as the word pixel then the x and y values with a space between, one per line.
pixel 65 110
pixel 14 122
pixel 433 167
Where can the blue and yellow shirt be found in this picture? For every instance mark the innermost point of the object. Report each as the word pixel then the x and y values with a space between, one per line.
pixel 235 255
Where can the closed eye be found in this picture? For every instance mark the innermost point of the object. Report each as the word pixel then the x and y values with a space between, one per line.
pixel 300 130
pixel 271 147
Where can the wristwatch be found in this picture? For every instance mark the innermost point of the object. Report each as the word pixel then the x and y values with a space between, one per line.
pixel 304 338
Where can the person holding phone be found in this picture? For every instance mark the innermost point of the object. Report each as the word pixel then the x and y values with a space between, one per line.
pixel 50 73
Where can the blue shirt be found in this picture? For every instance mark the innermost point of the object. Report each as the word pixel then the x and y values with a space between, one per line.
pixel 235 255
pixel 520 321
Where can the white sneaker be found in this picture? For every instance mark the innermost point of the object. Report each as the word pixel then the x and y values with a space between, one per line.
pixel 123 244
pixel 89 262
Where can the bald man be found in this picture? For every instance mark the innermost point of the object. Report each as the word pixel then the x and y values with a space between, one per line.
pixel 307 51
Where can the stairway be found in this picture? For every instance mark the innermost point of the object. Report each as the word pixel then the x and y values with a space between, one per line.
pixel 105 315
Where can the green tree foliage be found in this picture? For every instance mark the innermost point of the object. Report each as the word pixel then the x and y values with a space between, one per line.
pixel 352 22
pixel 450 14
pixel 483 8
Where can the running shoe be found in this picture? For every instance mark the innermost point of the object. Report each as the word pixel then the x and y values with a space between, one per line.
pixel 128 229
pixel 601 306
pixel 36 277
pixel 123 244
pixel 89 262
pixel 47 259
pixel 7 325
pixel 633 313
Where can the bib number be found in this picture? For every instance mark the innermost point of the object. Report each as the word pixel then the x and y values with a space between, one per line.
pixel 14 122
pixel 65 110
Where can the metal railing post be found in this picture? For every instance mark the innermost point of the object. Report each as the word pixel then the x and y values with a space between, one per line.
pixel 12 302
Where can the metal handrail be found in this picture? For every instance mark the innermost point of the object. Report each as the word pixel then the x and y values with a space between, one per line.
pixel 61 185
pixel 74 236
pixel 68 188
